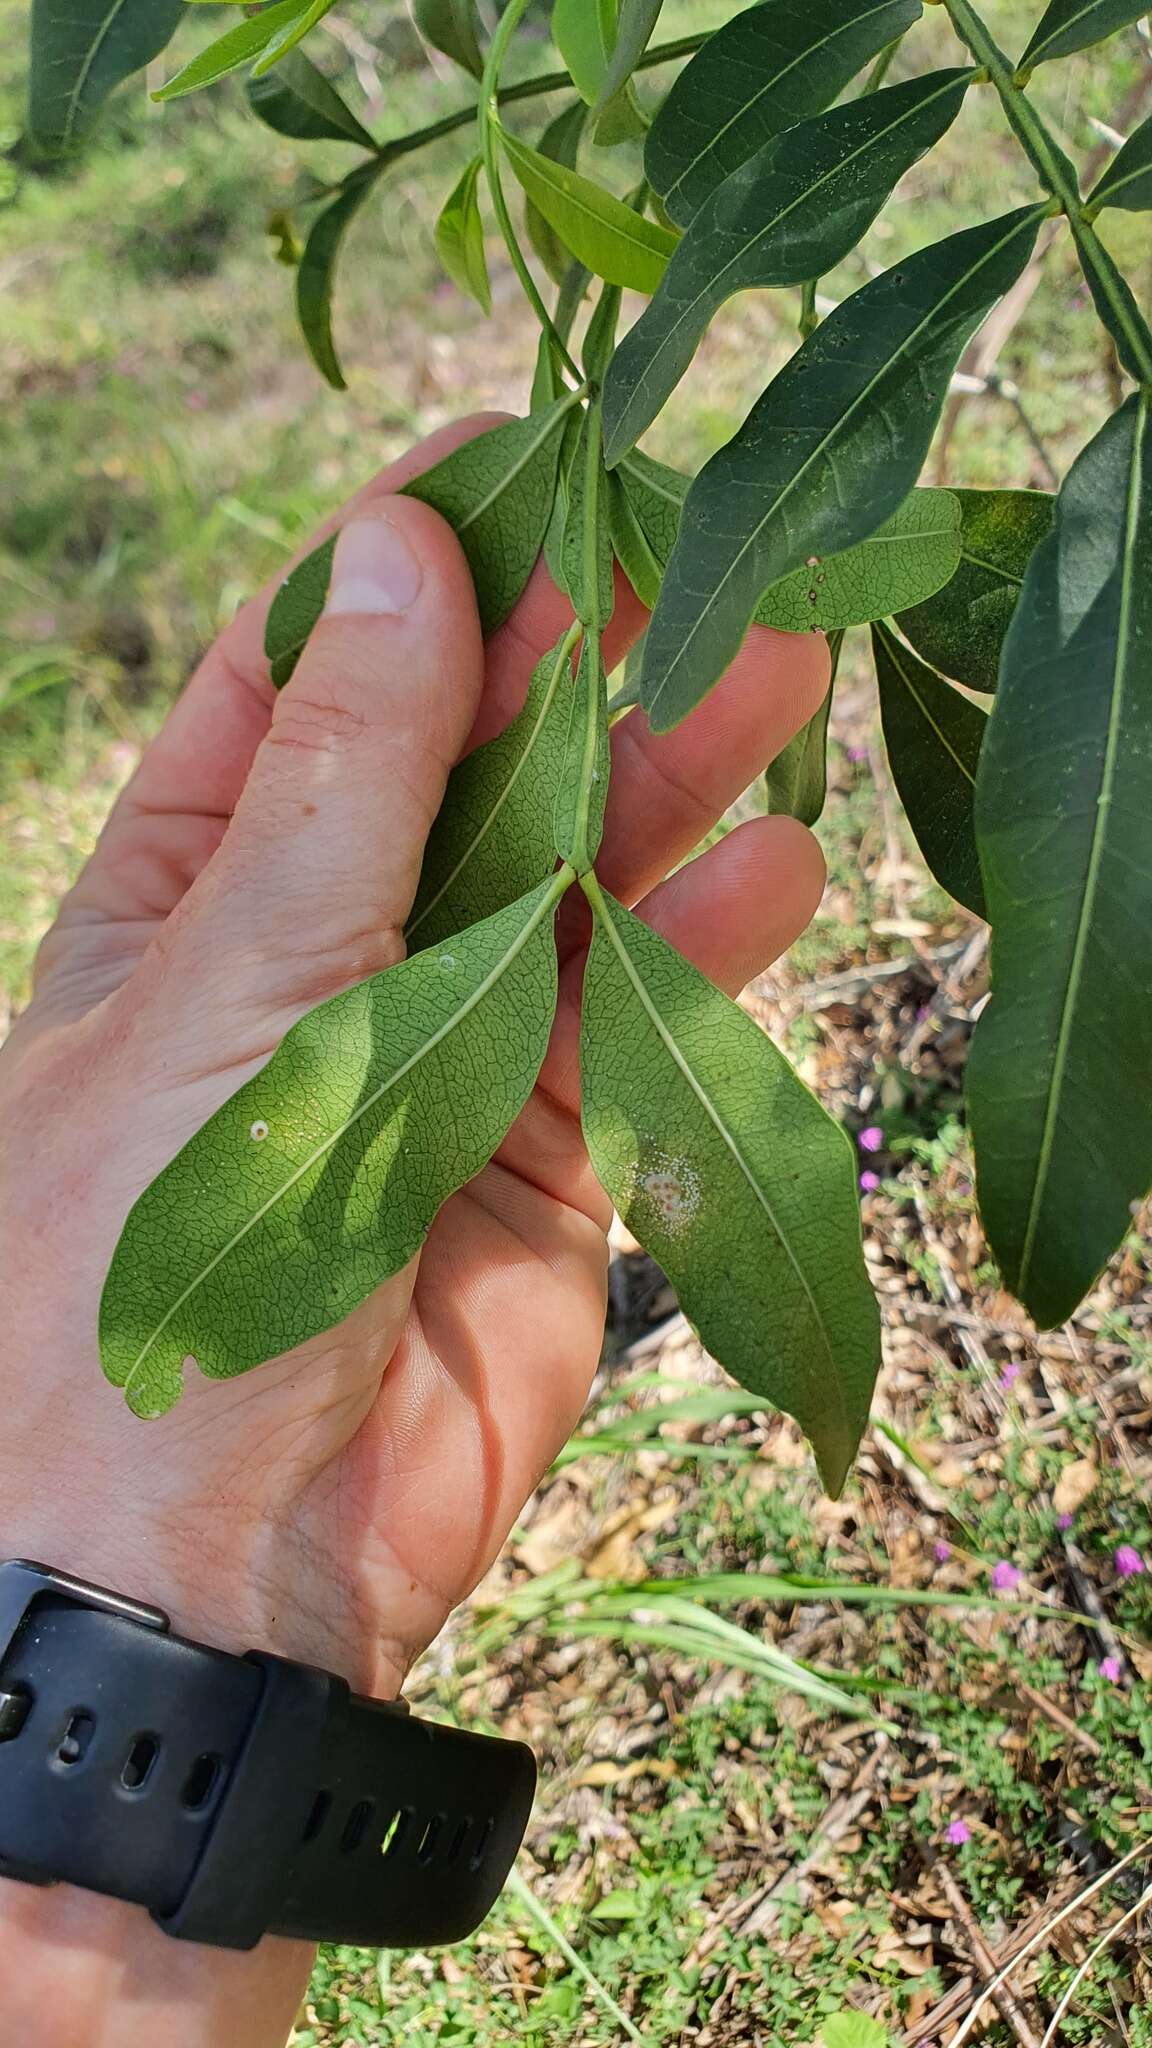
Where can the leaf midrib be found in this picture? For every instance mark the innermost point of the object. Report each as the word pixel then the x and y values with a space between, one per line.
pixel 608 926
pixel 654 241
pixel 1036 54
pixel 1096 851
pixel 508 476
pixel 72 103
pixel 894 650
pixel 1037 213
pixel 548 899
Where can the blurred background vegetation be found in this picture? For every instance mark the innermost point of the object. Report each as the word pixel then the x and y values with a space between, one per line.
pixel 163 442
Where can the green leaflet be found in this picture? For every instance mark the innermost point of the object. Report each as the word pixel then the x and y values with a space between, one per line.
pixel 316 274
pixel 561 143
pixel 558 517
pixel 460 238
pixel 772 66
pixel 584 32
pixel 295 609
pixel 852 2030
pixel 494 839
pixel 909 557
pixel 634 29
pixel 791 211
pixel 321 1176
pixel 961 630
pixel 732 1177
pixel 933 736
pixel 287 37
pixel 613 241
pixel 496 493
pixel 1127 182
pixel 1058 1084
pixel 827 453
pixel 451 27
pixel 796 782
pixel 579 815
pixel 79 50
pixel 1115 303
pixel 235 47
pixel 586 549
pixel 296 99
pixel 1068 25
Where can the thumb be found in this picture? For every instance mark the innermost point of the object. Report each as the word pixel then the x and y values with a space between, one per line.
pixel 313 881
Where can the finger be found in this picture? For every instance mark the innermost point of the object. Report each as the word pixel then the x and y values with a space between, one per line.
pixel 316 874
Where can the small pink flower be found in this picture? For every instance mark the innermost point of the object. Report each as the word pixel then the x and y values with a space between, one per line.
pixel 958 1832
pixel 1128 1562
pixel 1009 1374
pixel 1109 1668
pixel 941 1552
pixel 1064 1521
pixel 871 1139
pixel 856 753
pixel 868 1181
pixel 1004 1577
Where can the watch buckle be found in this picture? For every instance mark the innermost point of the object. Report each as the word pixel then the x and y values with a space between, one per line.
pixel 23 1582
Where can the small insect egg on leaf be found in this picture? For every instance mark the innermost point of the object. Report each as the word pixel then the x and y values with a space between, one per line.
pixel 256 1131
pixel 812 562
pixel 447 961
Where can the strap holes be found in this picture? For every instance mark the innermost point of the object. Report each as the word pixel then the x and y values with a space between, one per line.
pixel 139 1761
pixel 395 1832
pixel 78 1732
pixel 480 1850
pixel 355 1825
pixel 426 1846
pixel 201 1782
pixel 318 1814
pixel 458 1839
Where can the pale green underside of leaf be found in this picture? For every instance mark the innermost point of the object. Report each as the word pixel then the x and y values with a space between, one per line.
pixel 584 32
pixel 579 813
pixel 79 50
pixel 296 99
pixel 614 242
pixel 791 212
pixel 1058 1080
pixel 733 1178
pixel 826 455
pixel 961 629
pixel 460 238
pixel 770 67
pixel 295 609
pixel 323 1174
pixel 561 142
pixel 1128 180
pixel 496 493
pixel 933 737
pixel 1070 25
pixel 586 547
pixel 493 839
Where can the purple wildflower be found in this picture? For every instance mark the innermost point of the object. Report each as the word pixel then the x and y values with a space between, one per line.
pixel 868 1181
pixel 1064 1521
pixel 1009 1374
pixel 957 1832
pixel 871 1139
pixel 1004 1577
pixel 1109 1668
pixel 856 753
pixel 941 1552
pixel 1128 1562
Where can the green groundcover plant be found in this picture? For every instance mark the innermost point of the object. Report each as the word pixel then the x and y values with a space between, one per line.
pixel 1028 787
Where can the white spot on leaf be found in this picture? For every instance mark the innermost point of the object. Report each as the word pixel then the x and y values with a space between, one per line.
pixel 447 961
pixel 257 1131
pixel 672 1188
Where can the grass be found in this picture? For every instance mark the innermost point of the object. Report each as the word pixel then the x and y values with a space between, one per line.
pixel 165 443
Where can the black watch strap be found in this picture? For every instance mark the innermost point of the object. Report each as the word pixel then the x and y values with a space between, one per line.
pixel 237 1796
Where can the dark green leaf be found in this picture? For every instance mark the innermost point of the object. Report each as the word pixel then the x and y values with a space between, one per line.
pixel 586 553
pixel 631 546
pixel 79 50
pixel 560 142
pixel 317 273
pixel 1058 1082
pixel 1115 303
pixel 460 238
pixel 772 66
pixel 732 1177
pixel 584 32
pixel 792 211
pixel 579 815
pixel 613 241
pixel 933 736
pixel 1128 180
pixel 493 839
pixel 496 493
pixel 451 27
pixel 238 45
pixel 296 99
pixel 1069 25
pixel 295 609
pixel 961 630
pixel 796 783
pixel 322 1175
pixel 826 455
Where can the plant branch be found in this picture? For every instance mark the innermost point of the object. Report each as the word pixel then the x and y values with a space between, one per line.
pixel 1058 177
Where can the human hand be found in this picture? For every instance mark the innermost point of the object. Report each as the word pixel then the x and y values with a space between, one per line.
pixel 335 1504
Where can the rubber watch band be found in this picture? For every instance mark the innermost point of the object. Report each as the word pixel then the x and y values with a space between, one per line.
pixel 237 1796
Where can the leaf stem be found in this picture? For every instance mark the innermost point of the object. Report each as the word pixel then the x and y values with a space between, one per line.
pixel 1058 176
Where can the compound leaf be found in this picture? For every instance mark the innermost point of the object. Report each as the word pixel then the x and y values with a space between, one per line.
pixel 235 47
pixel 732 1177
pixel 1058 1076
pixel 933 736
pixel 1127 182
pixel 961 630
pixel 322 1175
pixel 79 50
pixel 296 99
pixel 316 274
pixel 460 238
pixel 770 67
pixel 827 453
pixel 789 212
pixel 295 609
pixel 493 839
pixel 451 27
pixel 613 241
pixel 496 493
pixel 1069 25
